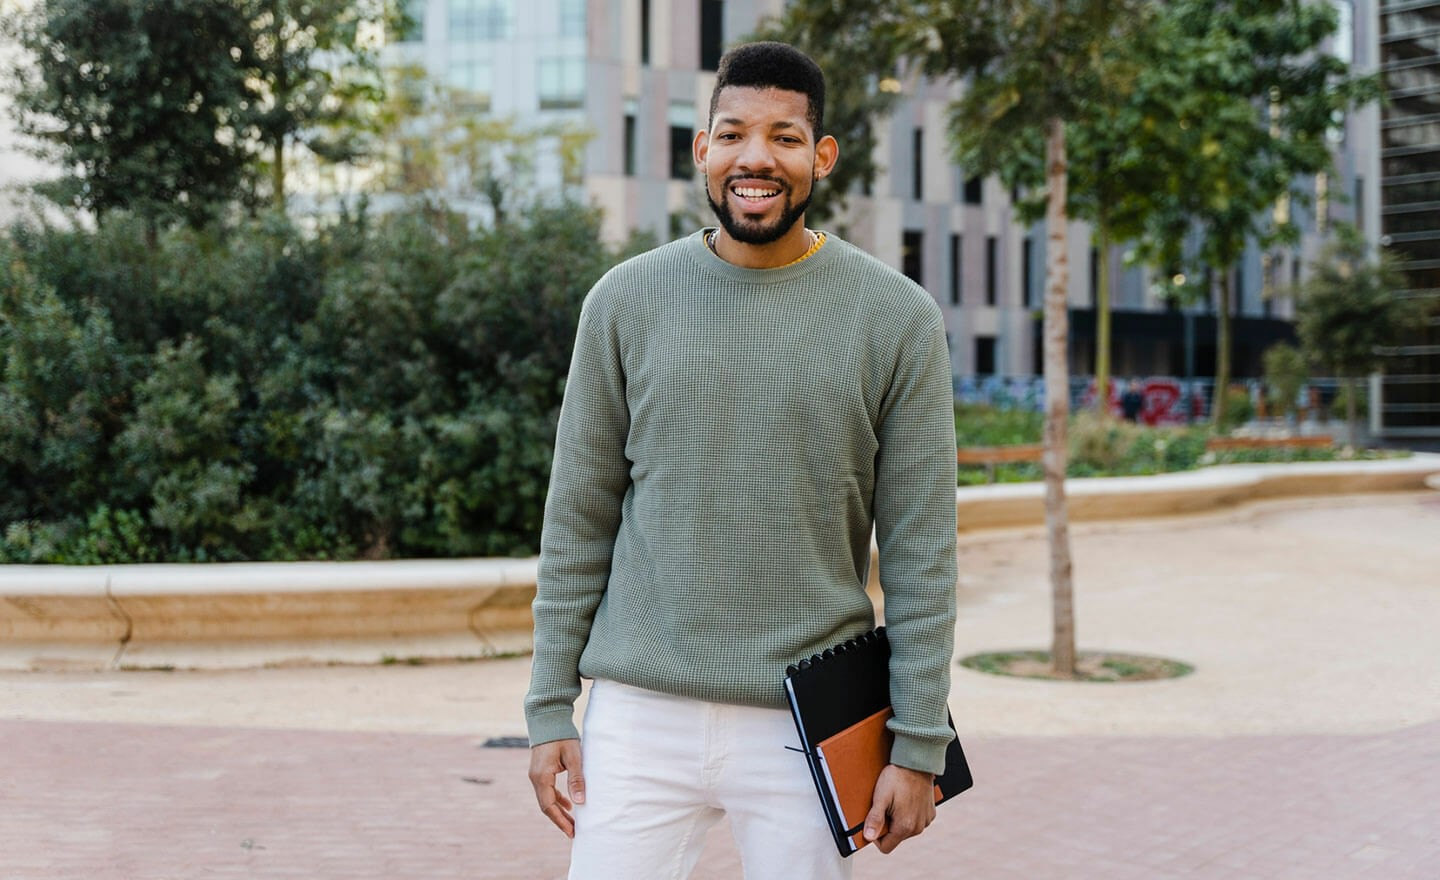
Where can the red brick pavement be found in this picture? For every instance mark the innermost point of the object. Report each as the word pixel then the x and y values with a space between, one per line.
pixel 102 801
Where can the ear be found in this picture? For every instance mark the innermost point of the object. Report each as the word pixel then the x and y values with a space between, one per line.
pixel 827 153
pixel 700 148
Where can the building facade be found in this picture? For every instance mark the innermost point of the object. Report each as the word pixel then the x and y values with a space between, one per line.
pixel 1409 45
pixel 638 75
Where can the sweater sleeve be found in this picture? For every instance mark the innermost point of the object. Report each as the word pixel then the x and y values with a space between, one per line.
pixel 915 534
pixel 588 482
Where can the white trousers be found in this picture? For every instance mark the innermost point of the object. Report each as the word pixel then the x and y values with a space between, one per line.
pixel 661 770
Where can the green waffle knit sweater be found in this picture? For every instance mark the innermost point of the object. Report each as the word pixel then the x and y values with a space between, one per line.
pixel 728 440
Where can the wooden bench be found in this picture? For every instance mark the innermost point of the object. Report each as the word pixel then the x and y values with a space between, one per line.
pixel 1227 444
pixel 989 456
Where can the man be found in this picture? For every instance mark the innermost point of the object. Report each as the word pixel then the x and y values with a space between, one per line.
pixel 743 407
pixel 1132 402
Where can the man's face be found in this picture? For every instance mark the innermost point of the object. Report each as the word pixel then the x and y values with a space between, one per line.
pixel 761 160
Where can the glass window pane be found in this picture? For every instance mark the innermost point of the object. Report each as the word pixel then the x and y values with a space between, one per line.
pixel 572 18
pixel 474 21
pixel 562 83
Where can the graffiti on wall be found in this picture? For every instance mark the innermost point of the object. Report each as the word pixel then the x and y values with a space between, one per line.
pixel 1164 400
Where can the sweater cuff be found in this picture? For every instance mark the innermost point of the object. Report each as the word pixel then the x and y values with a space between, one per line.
pixel 924 755
pixel 550 726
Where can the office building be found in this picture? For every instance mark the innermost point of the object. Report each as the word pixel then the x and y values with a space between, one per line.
pixel 1409 45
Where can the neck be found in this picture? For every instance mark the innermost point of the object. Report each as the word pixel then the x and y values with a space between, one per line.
pixel 781 252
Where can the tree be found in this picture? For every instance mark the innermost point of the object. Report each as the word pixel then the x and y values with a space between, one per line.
pixel 1032 66
pixel 1349 312
pixel 1285 374
pixel 139 100
pixel 1111 183
pixel 1252 100
pixel 316 66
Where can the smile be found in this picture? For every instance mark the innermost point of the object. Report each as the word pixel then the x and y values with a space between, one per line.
pixel 755 193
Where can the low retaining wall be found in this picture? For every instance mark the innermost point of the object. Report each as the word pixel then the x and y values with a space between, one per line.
pixel 1023 504
pixel 256 614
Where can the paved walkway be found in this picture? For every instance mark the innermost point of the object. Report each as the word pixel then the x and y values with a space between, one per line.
pixel 112 801
pixel 1306 745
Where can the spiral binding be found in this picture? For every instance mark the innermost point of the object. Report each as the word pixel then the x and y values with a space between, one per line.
pixel 874 635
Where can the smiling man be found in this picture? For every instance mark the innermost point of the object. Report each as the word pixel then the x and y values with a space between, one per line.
pixel 744 408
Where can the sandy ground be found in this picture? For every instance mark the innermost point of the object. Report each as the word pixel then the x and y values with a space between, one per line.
pixel 1313 616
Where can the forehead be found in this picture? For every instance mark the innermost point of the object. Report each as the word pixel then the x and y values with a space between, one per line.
pixel 750 105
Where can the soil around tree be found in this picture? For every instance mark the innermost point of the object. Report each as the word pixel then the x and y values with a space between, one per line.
pixel 1099 666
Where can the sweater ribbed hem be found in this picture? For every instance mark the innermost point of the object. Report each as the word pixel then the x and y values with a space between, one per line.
pixel 551 726
pixel 919 754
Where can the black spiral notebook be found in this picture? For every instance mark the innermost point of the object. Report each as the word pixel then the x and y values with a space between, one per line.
pixel 840 699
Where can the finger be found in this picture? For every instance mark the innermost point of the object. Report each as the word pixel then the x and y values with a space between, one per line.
pixel 574 763
pixel 902 828
pixel 875 820
pixel 561 819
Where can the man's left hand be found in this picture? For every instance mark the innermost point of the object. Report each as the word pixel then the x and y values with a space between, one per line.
pixel 903 806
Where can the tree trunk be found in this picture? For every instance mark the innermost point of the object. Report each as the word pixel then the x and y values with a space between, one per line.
pixel 1102 320
pixel 277 172
pixel 1057 402
pixel 1222 349
pixel 1352 418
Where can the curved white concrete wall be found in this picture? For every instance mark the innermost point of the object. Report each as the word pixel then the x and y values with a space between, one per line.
pixel 255 614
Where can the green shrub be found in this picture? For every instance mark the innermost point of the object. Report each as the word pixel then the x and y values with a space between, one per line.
pixel 377 387
pixel 1285 374
pixel 979 425
pixel 1100 443
pixel 1238 408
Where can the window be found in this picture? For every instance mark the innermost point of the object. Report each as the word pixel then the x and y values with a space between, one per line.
pixel 562 83
pixel 1344 41
pixel 712 33
pixel 572 18
pixel 682 137
pixel 644 31
pixel 917 166
pixel 470 80
pixel 956 265
pixel 412 24
pixel 1094 276
pixel 474 21
pixel 984 355
pixel 1027 274
pixel 1359 202
pixel 630 159
pixel 974 191
pixel 682 161
pixel 992 269
pixel 912 252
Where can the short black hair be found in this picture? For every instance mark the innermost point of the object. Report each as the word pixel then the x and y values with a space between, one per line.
pixel 774 66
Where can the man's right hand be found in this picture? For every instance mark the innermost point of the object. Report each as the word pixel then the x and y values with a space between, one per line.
pixel 547 761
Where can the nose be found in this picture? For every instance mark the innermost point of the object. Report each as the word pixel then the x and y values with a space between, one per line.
pixel 756 155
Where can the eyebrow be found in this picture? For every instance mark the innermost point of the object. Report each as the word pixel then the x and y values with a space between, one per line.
pixel 735 120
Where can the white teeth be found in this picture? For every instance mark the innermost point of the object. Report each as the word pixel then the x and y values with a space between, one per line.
pixel 752 193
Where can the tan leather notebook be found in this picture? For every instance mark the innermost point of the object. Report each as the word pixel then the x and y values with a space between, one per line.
pixel 851 761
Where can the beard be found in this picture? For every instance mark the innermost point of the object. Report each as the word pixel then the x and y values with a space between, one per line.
pixel 756 233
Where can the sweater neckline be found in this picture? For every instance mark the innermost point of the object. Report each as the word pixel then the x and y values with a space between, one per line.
pixel 711 262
